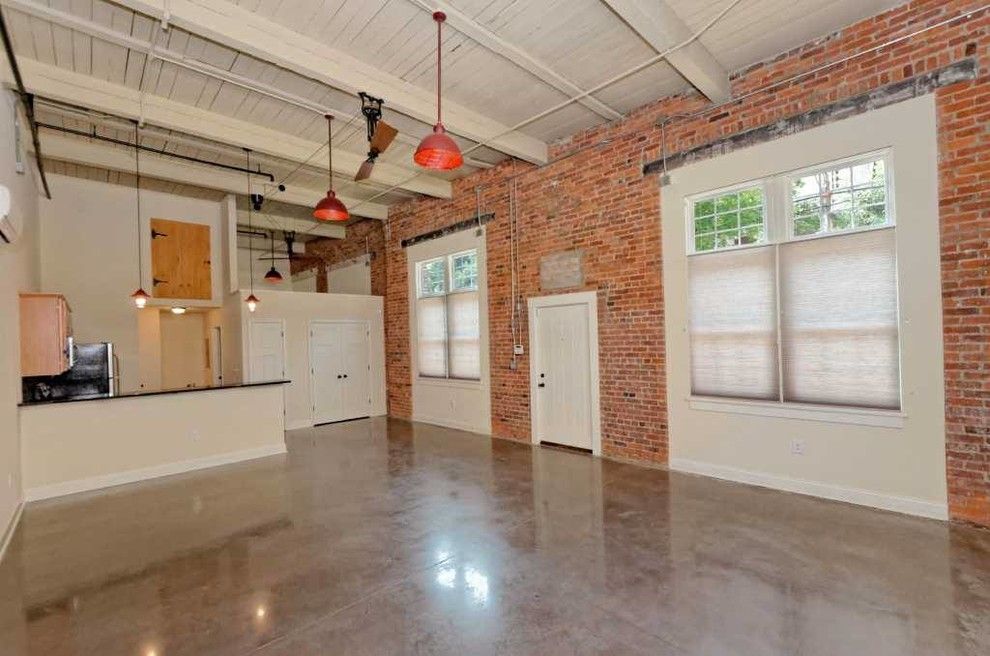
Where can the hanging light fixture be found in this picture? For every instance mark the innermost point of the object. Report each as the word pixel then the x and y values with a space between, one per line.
pixel 252 300
pixel 437 150
pixel 140 297
pixel 273 276
pixel 330 208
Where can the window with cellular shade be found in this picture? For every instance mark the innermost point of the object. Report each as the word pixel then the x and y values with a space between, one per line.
pixel 431 332
pixel 464 337
pixel 838 300
pixel 733 324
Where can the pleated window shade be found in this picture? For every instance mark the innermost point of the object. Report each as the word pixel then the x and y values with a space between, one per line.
pixel 839 320
pixel 431 334
pixel 733 324
pixel 464 335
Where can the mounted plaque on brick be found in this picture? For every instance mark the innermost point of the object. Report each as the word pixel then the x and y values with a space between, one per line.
pixel 562 270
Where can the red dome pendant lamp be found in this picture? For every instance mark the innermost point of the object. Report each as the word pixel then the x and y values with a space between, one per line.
pixel 437 150
pixel 330 208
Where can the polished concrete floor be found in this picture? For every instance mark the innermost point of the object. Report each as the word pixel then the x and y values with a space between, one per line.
pixel 383 537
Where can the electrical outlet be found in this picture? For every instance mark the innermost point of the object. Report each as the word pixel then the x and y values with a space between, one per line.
pixel 518 349
pixel 797 447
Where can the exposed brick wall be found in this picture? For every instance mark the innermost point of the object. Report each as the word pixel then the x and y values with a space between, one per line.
pixel 367 236
pixel 598 200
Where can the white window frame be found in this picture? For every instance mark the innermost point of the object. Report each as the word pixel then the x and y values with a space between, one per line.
pixel 779 230
pixel 448 263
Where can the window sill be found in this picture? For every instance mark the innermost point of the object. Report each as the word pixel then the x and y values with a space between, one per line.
pixel 459 383
pixel 805 412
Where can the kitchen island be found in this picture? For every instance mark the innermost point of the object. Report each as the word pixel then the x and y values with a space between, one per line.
pixel 89 442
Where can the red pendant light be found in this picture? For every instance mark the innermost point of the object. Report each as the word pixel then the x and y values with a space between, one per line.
pixel 140 297
pixel 330 208
pixel 437 150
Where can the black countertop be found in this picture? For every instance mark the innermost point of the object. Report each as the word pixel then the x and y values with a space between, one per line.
pixel 143 393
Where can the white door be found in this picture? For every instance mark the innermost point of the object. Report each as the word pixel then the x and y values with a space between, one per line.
pixel 326 372
pixel 356 392
pixel 563 396
pixel 267 350
pixel 339 366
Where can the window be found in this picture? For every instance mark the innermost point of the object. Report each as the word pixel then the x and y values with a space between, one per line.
pixel 447 317
pixel 797 302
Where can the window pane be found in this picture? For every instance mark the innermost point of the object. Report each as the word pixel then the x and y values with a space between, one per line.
pixel 465 337
pixel 464 271
pixel 839 320
pixel 733 324
pixel 432 277
pixel 729 215
pixel 838 199
pixel 431 333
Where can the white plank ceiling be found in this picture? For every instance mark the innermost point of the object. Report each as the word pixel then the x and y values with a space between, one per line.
pixel 582 42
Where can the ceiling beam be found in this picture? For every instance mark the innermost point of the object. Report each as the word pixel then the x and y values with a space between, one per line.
pixel 235 27
pixel 60 84
pixel 657 24
pixel 496 44
pixel 114 158
pixel 281 222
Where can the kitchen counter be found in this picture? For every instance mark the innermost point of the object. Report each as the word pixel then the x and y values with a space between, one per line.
pixel 144 393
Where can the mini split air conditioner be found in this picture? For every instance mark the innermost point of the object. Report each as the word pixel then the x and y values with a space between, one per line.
pixel 8 229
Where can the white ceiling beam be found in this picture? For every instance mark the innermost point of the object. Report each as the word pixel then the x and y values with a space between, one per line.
pixel 115 158
pixel 660 26
pixel 246 31
pixel 496 44
pixel 53 82
pixel 280 222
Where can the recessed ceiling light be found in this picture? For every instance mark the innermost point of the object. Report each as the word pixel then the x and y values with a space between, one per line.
pixel 178 310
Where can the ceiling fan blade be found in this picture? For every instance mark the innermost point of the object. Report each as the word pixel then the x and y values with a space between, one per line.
pixel 365 171
pixel 383 137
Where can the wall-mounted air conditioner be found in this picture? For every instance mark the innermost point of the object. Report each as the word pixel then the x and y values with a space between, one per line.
pixel 9 230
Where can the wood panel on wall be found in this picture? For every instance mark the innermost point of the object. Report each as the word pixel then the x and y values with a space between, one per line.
pixel 180 260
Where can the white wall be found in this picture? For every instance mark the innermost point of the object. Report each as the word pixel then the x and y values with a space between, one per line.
pixel 146 436
pixel 298 309
pixel 184 361
pixel 460 404
pixel 351 277
pixel 88 253
pixel 900 468
pixel 18 273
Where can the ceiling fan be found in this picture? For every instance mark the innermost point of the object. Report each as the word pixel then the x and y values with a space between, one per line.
pixel 380 133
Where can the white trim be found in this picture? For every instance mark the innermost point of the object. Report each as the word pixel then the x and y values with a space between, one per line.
pixel 802 411
pixel 452 423
pixel 905 505
pixel 145 473
pixel 459 383
pixel 589 299
pixel 299 423
pixel 8 535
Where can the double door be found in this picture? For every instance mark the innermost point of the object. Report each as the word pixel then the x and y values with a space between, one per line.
pixel 340 370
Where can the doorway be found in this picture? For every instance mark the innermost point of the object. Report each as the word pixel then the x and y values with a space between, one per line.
pixel 563 338
pixel 340 370
pixel 266 350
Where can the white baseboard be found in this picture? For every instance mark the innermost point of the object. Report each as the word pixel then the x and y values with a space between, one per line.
pixel 906 505
pixel 11 528
pixel 451 423
pixel 145 473
pixel 299 423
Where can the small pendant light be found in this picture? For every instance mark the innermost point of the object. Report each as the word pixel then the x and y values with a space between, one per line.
pixel 273 276
pixel 330 208
pixel 140 297
pixel 437 150
pixel 252 300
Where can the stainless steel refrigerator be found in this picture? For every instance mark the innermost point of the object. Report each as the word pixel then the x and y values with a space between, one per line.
pixel 94 372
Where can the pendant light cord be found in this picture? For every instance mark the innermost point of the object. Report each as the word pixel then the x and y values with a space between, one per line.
pixel 330 149
pixel 137 189
pixel 439 27
pixel 250 226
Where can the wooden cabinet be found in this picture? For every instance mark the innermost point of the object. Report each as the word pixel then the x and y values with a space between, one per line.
pixel 180 260
pixel 46 326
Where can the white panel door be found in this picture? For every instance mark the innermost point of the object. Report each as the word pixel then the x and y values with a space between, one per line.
pixel 267 350
pixel 563 376
pixel 356 392
pixel 326 372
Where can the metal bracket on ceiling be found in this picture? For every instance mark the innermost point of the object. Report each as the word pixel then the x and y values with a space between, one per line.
pixel 166 14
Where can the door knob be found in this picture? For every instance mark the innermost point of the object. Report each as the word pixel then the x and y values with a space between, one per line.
pixel 345 375
pixel 339 376
pixel 542 385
